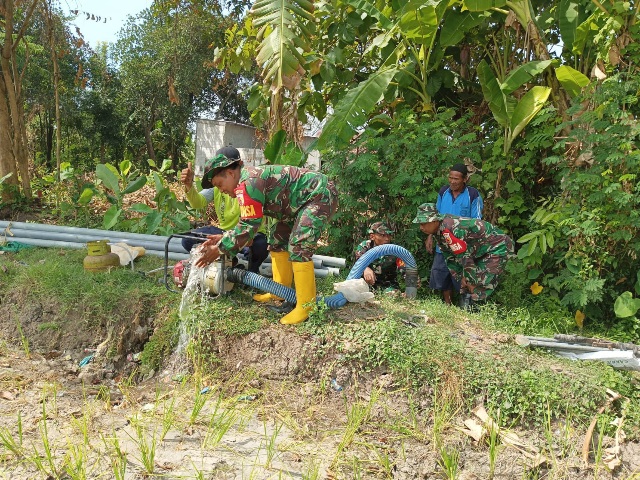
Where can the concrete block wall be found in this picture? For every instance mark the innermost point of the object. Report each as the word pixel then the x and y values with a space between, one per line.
pixel 214 134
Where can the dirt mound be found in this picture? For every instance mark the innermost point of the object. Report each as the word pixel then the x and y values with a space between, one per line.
pixel 277 352
pixel 48 329
pixel 290 401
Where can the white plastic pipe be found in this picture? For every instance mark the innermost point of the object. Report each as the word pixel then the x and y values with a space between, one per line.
pixel 61 244
pixel 114 237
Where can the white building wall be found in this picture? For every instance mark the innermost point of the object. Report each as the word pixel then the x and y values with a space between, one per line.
pixel 212 135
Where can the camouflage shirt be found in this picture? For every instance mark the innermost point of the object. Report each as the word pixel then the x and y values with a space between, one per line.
pixel 277 191
pixel 386 268
pixel 465 240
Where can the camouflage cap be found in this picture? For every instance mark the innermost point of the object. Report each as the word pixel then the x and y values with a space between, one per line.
pixel 427 212
pixel 223 158
pixel 381 228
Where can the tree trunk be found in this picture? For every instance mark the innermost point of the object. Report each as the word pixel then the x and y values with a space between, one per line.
pixel 7 163
pixel 147 137
pixel 56 88
pixel 56 80
pixel 12 125
pixel 49 150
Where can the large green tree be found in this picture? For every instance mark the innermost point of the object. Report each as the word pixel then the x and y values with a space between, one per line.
pixel 168 77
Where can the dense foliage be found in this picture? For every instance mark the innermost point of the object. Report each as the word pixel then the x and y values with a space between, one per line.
pixel 585 241
pixel 391 170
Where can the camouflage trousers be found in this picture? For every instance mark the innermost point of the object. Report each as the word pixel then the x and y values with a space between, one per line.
pixel 485 274
pixel 300 235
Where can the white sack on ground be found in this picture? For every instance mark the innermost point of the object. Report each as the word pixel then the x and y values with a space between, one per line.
pixel 127 253
pixel 356 290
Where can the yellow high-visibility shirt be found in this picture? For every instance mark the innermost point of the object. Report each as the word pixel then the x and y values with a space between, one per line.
pixel 226 207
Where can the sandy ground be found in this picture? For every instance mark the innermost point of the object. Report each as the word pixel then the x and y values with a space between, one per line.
pixel 55 426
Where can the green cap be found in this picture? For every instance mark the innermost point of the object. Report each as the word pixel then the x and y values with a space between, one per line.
pixel 224 157
pixel 427 212
pixel 380 227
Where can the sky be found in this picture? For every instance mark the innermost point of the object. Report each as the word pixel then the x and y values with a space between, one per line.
pixel 114 11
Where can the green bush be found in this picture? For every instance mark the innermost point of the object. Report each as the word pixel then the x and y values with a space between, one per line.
pixel 585 243
pixel 390 170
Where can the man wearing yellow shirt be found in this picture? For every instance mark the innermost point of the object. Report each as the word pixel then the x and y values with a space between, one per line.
pixel 227 210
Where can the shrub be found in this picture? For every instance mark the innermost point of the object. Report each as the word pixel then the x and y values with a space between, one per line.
pixel 391 170
pixel 586 237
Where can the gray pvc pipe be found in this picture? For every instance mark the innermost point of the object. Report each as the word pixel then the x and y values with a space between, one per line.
pixel 113 238
pixel 321 261
pixel 332 261
pixel 565 346
pixel 81 231
pixel 128 237
pixel 59 244
pixel 96 234
pixel 265 269
pixel 333 271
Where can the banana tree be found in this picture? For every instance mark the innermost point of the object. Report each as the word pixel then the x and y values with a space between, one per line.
pixel 525 15
pixel 283 37
pixel 378 52
pixel 511 113
pixel 405 50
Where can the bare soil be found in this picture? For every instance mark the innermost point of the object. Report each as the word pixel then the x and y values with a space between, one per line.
pixel 277 407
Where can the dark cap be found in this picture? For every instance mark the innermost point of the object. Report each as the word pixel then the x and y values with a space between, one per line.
pixel 223 158
pixel 460 167
pixel 381 228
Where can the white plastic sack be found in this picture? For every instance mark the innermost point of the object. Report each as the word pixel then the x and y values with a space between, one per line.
pixel 127 253
pixel 356 290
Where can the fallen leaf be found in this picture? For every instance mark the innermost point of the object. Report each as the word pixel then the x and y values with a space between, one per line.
pixel 612 463
pixel 475 430
pixel 7 395
pixel 579 318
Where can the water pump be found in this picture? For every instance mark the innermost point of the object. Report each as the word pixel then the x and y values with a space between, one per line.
pixel 210 279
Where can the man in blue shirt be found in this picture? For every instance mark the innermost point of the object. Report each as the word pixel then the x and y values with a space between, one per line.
pixel 453 199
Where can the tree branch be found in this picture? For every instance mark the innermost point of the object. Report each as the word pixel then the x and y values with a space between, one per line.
pixel 25 24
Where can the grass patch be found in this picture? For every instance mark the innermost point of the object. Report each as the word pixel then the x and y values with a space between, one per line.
pixel 233 315
pixel 59 274
pixel 162 342
pixel 524 384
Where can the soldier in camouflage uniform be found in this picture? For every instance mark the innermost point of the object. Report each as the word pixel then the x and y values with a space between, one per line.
pixel 476 252
pixel 301 201
pixel 382 273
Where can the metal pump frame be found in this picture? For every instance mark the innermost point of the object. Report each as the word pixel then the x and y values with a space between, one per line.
pixel 192 235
